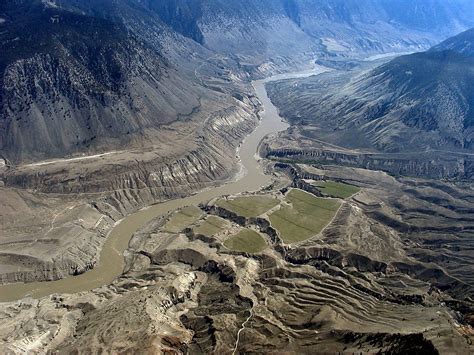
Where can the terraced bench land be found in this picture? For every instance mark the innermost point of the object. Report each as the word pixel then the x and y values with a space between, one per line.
pixel 247 241
pixel 306 216
pixel 183 219
pixel 336 189
pixel 210 226
pixel 249 206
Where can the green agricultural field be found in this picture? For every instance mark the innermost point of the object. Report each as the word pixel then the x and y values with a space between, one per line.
pixel 249 206
pixel 247 241
pixel 336 189
pixel 212 225
pixel 183 219
pixel 307 216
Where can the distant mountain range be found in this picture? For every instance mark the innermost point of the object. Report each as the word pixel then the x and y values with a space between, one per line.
pixel 414 103
pixel 89 75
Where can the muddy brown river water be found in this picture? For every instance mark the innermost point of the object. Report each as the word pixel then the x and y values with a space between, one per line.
pixel 111 263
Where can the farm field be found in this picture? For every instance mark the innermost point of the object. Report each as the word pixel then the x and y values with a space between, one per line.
pixel 306 216
pixel 249 206
pixel 210 226
pixel 336 189
pixel 183 219
pixel 247 241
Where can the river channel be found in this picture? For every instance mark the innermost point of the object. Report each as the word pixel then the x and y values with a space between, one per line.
pixel 111 262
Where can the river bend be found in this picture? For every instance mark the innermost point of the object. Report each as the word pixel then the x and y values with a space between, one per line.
pixel 111 262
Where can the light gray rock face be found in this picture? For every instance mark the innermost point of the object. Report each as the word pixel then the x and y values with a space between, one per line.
pixel 437 165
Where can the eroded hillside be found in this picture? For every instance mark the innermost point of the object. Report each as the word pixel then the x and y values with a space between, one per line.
pixel 388 270
pixel 362 242
pixel 410 116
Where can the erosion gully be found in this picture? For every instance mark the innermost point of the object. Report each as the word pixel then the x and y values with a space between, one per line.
pixel 111 263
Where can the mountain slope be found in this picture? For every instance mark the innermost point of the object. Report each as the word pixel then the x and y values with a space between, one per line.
pixel 101 75
pixel 419 102
pixel 81 81
pixel 463 43
pixel 340 27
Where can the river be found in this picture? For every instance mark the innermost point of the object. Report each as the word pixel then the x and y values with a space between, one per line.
pixel 111 262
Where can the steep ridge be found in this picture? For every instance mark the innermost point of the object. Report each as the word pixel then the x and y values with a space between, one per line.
pixel 102 74
pixel 462 43
pixel 415 108
pixel 82 83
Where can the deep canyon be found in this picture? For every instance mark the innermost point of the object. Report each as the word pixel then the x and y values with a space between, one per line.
pixel 236 177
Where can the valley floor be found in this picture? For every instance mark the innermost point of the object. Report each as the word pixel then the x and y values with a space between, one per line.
pixel 370 261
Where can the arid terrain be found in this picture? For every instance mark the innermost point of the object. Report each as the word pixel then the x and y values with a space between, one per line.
pixel 389 270
pixel 258 176
pixel 68 212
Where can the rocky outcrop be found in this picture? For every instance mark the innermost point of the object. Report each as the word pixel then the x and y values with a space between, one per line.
pixel 436 166
pixel 392 343
pixel 69 246
pixel 261 224
pixel 160 176
pixel 118 190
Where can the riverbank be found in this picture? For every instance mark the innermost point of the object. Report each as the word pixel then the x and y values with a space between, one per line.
pixel 111 263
